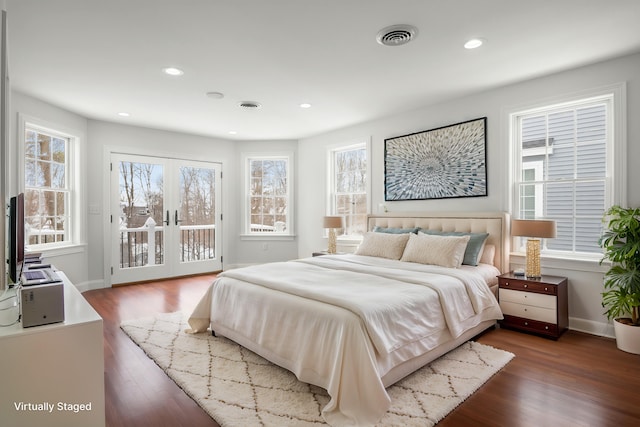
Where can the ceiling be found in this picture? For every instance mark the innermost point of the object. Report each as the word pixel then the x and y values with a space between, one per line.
pixel 98 58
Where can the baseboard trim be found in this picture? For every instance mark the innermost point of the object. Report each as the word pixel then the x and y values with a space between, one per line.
pixel 234 266
pixel 591 327
pixel 90 285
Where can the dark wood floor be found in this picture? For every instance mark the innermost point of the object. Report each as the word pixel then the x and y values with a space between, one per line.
pixel 579 380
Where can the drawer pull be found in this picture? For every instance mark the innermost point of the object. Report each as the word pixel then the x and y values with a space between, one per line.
pixel 526 323
pixel 546 289
pixel 546 327
pixel 526 286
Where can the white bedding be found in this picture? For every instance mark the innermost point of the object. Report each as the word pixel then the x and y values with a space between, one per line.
pixel 343 322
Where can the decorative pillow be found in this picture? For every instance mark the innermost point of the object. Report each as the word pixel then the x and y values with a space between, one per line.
pixel 391 230
pixel 446 251
pixel 383 245
pixel 474 248
pixel 488 254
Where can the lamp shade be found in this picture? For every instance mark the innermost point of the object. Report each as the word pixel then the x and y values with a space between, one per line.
pixel 333 222
pixel 542 228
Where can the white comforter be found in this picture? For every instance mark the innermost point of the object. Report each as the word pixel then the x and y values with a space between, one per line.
pixel 354 312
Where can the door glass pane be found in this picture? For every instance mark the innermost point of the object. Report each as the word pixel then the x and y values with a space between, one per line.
pixel 141 214
pixel 197 214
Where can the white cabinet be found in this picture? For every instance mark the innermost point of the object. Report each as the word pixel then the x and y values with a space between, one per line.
pixel 53 375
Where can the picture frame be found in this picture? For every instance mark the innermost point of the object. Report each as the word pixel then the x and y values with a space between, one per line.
pixel 441 163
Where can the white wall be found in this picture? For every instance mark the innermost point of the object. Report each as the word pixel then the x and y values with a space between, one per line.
pixel 585 279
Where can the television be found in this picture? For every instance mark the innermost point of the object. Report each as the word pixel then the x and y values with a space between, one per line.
pixel 16 236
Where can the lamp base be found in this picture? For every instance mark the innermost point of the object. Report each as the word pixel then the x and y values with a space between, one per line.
pixel 533 259
pixel 332 241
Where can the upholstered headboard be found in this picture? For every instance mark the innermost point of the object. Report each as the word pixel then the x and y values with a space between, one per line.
pixel 494 223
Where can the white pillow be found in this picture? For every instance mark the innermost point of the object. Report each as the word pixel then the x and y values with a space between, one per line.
pixel 488 253
pixel 446 251
pixel 383 245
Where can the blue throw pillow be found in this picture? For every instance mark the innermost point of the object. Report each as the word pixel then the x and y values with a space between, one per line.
pixel 392 230
pixel 474 247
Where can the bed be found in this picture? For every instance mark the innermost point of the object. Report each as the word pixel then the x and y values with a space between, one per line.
pixel 356 323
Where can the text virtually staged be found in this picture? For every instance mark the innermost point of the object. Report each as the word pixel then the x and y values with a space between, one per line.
pixel 50 407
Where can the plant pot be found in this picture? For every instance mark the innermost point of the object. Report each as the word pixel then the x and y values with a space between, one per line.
pixel 627 337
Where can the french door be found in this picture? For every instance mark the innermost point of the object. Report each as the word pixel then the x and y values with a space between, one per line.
pixel 165 217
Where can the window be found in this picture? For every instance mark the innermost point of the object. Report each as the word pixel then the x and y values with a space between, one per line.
pixel 349 188
pixel 269 206
pixel 48 187
pixel 563 169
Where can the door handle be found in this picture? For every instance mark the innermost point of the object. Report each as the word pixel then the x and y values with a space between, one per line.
pixel 167 220
pixel 176 217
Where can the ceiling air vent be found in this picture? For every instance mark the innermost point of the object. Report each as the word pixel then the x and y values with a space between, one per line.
pixel 396 35
pixel 250 105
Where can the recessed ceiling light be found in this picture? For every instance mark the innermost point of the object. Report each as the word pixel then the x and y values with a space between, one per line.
pixel 473 43
pixel 124 114
pixel 215 95
pixel 173 71
pixel 305 105
pixel 232 132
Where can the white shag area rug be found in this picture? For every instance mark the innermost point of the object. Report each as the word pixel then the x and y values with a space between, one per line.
pixel 239 388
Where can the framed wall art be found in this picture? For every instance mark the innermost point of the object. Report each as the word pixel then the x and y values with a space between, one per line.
pixel 446 162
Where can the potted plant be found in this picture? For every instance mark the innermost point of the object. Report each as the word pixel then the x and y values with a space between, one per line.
pixel 621 298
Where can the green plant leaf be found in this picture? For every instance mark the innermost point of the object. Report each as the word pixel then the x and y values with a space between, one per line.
pixel 621 245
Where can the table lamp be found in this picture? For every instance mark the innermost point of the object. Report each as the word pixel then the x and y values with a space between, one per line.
pixel 534 229
pixel 333 222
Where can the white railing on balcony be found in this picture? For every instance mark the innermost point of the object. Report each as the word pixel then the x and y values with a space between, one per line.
pixel 197 243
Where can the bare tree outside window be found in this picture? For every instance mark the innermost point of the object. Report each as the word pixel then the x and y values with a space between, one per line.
pixel 141 192
pixel 350 189
pixel 142 198
pixel 47 192
pixel 269 195
pixel 197 214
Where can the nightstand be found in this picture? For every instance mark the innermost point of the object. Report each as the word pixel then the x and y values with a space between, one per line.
pixel 534 305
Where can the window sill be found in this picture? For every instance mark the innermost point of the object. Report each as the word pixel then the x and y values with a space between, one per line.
pixel 586 264
pixel 52 252
pixel 277 237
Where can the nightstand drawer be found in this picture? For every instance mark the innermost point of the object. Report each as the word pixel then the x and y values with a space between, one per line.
pixel 529 312
pixel 529 325
pixel 529 298
pixel 527 285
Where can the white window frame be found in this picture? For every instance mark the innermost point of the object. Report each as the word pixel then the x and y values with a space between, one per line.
pixel 615 180
pixel 289 232
pixel 331 208
pixel 73 173
pixel 331 205
pixel 537 167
